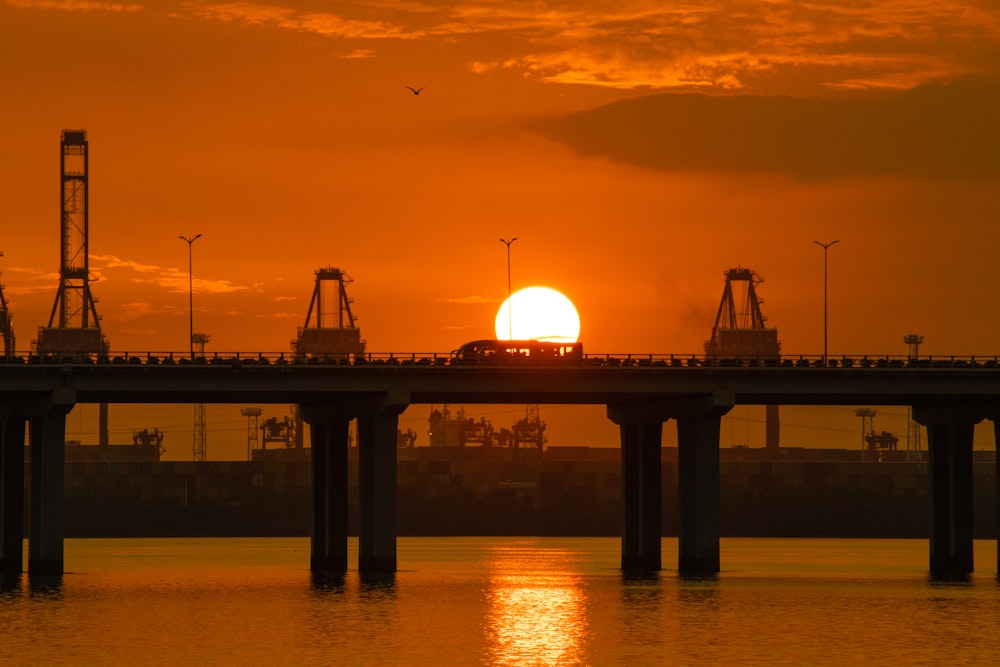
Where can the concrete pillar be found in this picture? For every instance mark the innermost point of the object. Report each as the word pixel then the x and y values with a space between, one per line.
pixel 642 495
pixel 698 490
pixel 949 443
pixel 377 444
pixel 641 428
pixel 996 483
pixel 329 428
pixel 48 489
pixel 11 492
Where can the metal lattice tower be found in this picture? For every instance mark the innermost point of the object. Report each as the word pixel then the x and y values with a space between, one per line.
pixel 867 420
pixel 330 330
pixel 200 435
pixel 740 331
pixel 74 326
pixel 739 328
pixel 6 326
pixel 913 444
pixel 253 428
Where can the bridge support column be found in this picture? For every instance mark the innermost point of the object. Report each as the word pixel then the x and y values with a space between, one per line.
pixel 328 427
pixel 698 487
pixel 642 494
pixel 11 491
pixel 996 483
pixel 377 444
pixel 949 443
pixel 48 486
pixel 698 436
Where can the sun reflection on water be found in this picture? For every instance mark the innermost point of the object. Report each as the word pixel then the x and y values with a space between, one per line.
pixel 537 607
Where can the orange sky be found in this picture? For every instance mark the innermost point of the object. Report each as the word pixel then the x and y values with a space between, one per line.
pixel 637 149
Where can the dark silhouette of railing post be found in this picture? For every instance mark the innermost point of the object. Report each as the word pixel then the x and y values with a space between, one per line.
pixel 47 429
pixel 328 425
pixel 949 443
pixel 12 424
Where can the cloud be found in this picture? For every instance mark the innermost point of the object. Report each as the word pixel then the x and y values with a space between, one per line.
pixel 359 53
pixel 130 311
pixel 77 5
pixel 114 262
pixel 325 24
pixel 742 44
pixel 170 279
pixel 723 45
pixel 468 299
pixel 279 316
pixel 939 131
pixel 25 281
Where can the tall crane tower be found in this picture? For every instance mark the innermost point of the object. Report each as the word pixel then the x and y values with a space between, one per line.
pixel 6 326
pixel 74 326
pixel 740 331
pixel 330 330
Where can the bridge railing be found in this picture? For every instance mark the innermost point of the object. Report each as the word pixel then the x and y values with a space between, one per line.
pixel 609 360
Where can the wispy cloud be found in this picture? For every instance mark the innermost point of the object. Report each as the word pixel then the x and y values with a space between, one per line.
pixel 77 5
pixel 468 299
pixel 21 281
pixel 170 279
pixel 720 45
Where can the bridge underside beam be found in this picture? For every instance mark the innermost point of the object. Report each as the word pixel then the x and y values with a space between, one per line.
pixel 11 493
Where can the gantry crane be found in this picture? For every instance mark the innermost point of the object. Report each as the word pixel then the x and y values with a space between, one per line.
pixel 740 331
pixel 320 338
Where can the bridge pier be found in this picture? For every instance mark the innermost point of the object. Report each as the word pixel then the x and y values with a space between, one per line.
pixel 12 425
pixel 377 417
pixel 698 420
pixel 642 495
pixel 996 482
pixel 698 491
pixel 328 426
pixel 377 445
pixel 47 431
pixel 949 443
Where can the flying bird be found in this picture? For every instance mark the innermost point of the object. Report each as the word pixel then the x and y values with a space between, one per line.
pixel 415 91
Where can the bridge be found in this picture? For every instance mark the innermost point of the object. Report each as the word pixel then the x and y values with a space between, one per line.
pixel 949 396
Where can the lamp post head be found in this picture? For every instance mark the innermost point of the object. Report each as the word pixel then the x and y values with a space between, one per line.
pixel 190 240
pixel 824 246
pixel 507 243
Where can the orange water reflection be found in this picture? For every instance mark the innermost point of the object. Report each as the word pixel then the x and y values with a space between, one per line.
pixel 536 607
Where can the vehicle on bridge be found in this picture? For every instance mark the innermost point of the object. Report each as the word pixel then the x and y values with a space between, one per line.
pixel 516 351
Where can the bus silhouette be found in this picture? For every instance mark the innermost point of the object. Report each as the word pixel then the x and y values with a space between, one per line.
pixel 516 351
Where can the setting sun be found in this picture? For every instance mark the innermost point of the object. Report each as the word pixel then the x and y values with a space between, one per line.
pixel 538 313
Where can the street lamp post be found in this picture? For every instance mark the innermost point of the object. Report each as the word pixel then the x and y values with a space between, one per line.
pixel 825 247
pixel 190 242
pixel 510 306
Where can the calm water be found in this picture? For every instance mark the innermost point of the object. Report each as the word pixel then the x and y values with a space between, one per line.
pixel 499 601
